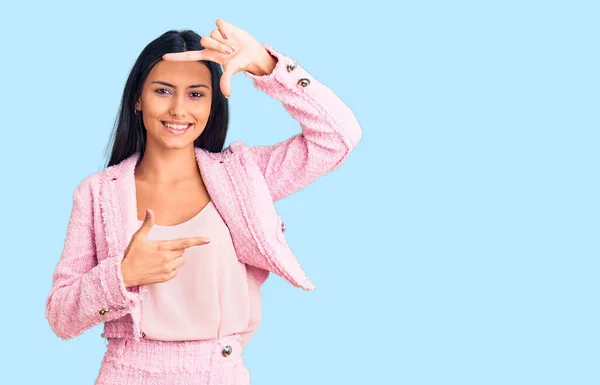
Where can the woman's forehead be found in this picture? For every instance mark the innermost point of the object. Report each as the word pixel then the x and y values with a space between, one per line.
pixel 180 73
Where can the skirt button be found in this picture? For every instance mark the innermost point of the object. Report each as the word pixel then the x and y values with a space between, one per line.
pixel 227 350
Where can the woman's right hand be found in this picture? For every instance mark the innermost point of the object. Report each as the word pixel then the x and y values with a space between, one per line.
pixel 147 262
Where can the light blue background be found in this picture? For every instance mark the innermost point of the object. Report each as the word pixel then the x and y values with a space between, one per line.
pixel 458 244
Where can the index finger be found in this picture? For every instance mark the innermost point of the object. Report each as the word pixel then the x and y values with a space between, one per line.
pixel 184 243
pixel 187 56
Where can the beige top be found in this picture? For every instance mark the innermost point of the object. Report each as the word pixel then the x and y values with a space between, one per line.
pixel 212 294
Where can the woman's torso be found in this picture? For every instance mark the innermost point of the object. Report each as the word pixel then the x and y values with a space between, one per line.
pixel 212 295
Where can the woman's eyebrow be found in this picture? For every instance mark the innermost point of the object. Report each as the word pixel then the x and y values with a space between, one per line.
pixel 170 85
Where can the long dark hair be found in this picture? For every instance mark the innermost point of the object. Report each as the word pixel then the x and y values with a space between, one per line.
pixel 129 133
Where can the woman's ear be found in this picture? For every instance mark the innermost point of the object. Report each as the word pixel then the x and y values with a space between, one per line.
pixel 138 105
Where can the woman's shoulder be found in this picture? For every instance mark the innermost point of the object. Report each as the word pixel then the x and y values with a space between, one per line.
pixel 90 185
pixel 93 180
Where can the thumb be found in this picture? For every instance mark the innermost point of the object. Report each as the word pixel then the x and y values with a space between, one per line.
pixel 225 82
pixel 148 223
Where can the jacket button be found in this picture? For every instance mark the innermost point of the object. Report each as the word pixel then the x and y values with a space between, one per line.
pixel 227 350
pixel 121 307
pixel 291 66
pixel 104 311
pixel 282 226
pixel 143 334
pixel 303 82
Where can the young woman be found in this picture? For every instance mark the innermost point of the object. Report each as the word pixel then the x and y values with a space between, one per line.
pixel 169 244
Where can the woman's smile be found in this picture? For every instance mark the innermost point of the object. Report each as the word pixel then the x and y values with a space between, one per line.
pixel 176 129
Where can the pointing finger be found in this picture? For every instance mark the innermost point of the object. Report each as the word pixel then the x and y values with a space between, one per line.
pixel 183 243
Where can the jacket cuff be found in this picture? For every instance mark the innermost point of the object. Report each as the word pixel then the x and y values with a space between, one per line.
pixel 287 73
pixel 111 277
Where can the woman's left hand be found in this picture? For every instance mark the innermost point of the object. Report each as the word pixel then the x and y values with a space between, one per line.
pixel 235 49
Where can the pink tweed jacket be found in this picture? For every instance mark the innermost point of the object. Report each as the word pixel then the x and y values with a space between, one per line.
pixel 243 183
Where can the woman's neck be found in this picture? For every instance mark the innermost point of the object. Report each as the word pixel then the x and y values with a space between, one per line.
pixel 169 166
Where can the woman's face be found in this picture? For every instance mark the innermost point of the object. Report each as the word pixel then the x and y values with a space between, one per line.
pixel 177 92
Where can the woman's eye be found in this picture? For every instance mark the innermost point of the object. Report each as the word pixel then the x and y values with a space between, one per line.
pixel 194 94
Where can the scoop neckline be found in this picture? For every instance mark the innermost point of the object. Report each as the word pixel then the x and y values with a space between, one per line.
pixel 182 223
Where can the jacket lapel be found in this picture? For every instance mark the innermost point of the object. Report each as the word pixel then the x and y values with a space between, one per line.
pixel 118 204
pixel 241 195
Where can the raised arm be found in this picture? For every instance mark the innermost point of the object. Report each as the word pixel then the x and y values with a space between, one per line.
pixel 84 292
pixel 329 128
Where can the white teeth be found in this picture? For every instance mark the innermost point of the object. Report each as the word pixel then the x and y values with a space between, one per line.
pixel 176 126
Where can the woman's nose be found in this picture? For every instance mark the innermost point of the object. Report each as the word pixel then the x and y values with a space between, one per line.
pixel 178 107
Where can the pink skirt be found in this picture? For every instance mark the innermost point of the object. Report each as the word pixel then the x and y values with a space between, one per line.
pixel 202 362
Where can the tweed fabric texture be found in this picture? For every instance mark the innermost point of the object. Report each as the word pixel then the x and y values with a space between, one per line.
pixel 243 182
pixel 150 362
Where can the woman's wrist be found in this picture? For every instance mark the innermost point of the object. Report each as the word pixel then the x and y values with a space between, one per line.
pixel 264 65
pixel 125 274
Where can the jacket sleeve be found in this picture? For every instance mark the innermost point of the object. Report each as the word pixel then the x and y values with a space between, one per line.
pixel 329 129
pixel 85 293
